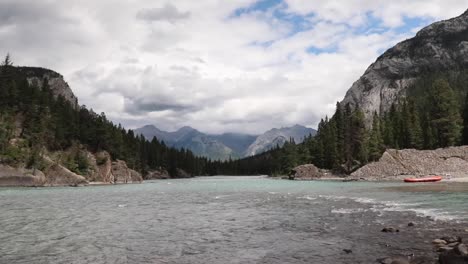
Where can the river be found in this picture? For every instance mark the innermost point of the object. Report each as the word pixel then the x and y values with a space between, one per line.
pixel 226 220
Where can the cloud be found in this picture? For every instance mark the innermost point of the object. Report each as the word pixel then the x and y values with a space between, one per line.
pixel 218 66
pixel 167 13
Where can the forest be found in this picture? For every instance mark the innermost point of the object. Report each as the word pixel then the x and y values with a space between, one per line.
pixel 433 114
pixel 50 123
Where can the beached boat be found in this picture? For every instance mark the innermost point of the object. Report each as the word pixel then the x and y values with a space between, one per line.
pixel 424 179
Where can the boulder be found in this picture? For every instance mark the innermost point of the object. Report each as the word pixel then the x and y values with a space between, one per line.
pixel 398 164
pixel 305 172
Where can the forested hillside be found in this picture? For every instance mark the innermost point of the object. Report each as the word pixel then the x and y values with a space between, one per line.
pixel 34 120
pixel 433 114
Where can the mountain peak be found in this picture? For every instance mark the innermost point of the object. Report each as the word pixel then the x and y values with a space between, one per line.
pixel 437 48
pixel 186 129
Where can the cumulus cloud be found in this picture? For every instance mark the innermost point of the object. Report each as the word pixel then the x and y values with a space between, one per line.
pixel 218 66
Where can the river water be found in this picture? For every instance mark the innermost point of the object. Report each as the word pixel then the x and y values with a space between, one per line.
pixel 226 220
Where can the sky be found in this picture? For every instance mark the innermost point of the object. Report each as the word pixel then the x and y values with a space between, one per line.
pixel 219 66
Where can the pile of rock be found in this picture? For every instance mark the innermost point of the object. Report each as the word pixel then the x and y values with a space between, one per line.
pixel 306 172
pixel 452 250
pixel 395 164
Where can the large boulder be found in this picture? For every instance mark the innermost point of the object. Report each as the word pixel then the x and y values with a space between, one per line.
pixel 305 172
pixel 397 164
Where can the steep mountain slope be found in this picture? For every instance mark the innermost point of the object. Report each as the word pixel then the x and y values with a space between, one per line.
pixel 274 137
pixel 440 47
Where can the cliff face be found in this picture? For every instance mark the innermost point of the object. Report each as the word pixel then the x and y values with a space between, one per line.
pixel 442 46
pixel 37 76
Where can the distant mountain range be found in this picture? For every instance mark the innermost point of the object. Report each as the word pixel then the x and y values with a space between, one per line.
pixel 227 145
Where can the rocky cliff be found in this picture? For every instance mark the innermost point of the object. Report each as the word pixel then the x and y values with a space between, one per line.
pixel 100 168
pixel 398 164
pixel 37 76
pixel 440 47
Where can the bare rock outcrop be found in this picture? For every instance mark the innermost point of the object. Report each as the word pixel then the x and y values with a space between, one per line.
pixel 10 177
pixel 100 169
pixel 440 47
pixel 57 175
pixel 122 174
pixel 397 164
pixel 306 172
pixel 157 174
pixel 36 76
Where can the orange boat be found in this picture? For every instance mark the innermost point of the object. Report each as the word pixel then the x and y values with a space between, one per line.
pixel 424 179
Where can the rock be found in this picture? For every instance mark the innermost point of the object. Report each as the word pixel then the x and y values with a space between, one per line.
pixel 305 172
pixel 122 174
pixel 398 164
pixel 452 239
pixel 439 241
pixel 36 76
pixel 57 175
pixel 11 177
pixel 410 224
pixel 442 46
pixel 157 174
pixel 347 251
pixel 452 245
pixel 135 176
pixel 461 249
pixel 444 249
pixel 390 230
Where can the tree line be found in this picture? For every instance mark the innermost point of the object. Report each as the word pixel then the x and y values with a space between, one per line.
pixel 36 119
pixel 433 114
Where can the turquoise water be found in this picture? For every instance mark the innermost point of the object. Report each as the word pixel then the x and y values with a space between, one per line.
pixel 224 220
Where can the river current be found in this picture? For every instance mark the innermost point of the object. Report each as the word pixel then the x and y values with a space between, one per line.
pixel 225 220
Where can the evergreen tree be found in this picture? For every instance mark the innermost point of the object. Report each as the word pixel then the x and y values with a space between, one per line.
pixel 445 115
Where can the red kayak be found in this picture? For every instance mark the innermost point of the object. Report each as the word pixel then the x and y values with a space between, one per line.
pixel 425 179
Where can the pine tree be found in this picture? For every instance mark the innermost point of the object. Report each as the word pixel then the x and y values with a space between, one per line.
pixel 375 145
pixel 445 116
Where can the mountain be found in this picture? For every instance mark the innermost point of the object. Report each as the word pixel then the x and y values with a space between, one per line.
pixel 227 145
pixel 440 47
pixel 275 136
pixel 214 147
